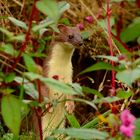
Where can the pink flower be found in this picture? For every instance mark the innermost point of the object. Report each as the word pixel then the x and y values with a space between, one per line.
pixel 127 125
pixel 127 118
pixel 127 131
pixel 80 26
pixel 89 19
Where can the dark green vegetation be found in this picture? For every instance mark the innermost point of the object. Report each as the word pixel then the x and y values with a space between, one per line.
pixel 106 70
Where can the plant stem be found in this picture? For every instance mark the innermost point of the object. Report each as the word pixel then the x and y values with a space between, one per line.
pixel 22 49
pixel 39 110
pixel 108 12
pixel 39 91
pixel 27 36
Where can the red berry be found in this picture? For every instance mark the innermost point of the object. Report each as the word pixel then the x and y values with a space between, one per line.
pixel 89 19
pixel 121 57
pixel 56 77
pixel 80 26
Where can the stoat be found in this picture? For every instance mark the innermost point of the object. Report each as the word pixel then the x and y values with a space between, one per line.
pixel 59 66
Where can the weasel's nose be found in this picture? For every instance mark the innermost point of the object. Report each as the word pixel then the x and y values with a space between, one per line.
pixel 81 43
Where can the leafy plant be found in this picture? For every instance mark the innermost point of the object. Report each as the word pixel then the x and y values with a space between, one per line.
pixel 106 87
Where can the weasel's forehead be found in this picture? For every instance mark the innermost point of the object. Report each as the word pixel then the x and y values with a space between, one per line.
pixel 73 30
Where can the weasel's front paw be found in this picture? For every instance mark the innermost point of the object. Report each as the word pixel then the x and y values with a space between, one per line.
pixel 70 106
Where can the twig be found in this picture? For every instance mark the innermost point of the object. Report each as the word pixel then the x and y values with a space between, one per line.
pixel 102 83
pixel 10 60
pixel 1 61
pixel 17 2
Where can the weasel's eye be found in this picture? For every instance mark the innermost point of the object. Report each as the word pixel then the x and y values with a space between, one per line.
pixel 71 36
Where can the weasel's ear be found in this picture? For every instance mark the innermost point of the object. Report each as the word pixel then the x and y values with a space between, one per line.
pixel 62 27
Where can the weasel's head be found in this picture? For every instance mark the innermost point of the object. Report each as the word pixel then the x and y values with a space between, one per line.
pixel 70 35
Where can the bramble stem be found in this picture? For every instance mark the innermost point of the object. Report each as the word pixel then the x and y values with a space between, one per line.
pixel 108 13
pixel 27 36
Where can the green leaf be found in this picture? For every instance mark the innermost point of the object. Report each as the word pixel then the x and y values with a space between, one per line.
pixel 54 84
pixel 37 54
pixel 18 22
pixel 50 8
pixel 85 34
pixel 128 76
pixel 59 86
pixel 138 40
pixel 9 77
pixel 124 94
pixel 54 27
pixel 137 100
pixel 122 0
pixel 122 49
pixel 11 113
pixel 21 93
pixel 28 87
pixel 3 17
pixel 43 24
pixel 137 129
pixel 76 87
pixel 2 75
pixel 137 137
pixel 95 121
pixel 131 32
pixel 73 121
pixel 112 58
pixel 82 133
pixel 8 48
pixel 6 91
pixel 103 23
pixel 29 62
pixel 107 99
pixel 19 38
pixel 92 91
pixel 63 6
pixel 64 21
pixel 98 66
pixel 24 110
pixel 32 76
pixel 8 136
pixel 51 138
pixel 90 103
pixel 6 32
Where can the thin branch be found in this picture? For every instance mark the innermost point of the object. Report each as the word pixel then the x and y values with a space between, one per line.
pixel 10 60
pixel 17 2
pixel 1 61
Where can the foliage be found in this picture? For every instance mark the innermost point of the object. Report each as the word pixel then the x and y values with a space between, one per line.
pixel 23 50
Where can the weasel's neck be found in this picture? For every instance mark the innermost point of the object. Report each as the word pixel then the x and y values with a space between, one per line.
pixel 60 61
pixel 61 53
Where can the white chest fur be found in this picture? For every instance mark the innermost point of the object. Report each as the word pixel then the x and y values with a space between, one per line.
pixel 60 62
